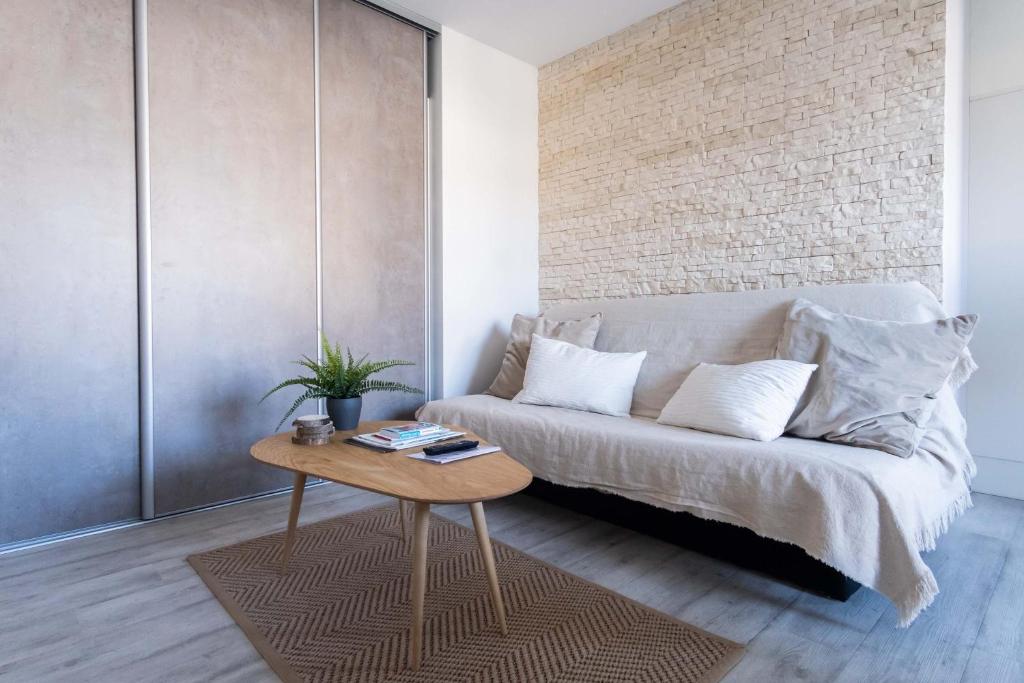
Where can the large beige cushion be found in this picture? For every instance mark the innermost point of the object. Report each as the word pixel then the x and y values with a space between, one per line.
pixel 878 380
pixel 727 328
pixel 509 381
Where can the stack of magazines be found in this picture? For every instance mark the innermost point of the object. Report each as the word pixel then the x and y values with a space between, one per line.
pixel 406 436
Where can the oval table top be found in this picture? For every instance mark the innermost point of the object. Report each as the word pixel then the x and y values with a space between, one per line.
pixel 484 477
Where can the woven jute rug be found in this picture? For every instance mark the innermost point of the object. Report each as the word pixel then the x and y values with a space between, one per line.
pixel 342 612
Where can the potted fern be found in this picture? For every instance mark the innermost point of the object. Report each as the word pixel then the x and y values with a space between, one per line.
pixel 342 380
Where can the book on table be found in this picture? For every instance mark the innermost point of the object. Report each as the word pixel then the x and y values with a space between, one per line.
pixel 411 430
pixel 388 442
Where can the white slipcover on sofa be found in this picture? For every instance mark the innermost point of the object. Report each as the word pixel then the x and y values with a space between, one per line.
pixel 866 513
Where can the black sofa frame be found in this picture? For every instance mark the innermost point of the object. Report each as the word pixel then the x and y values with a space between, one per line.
pixel 724 541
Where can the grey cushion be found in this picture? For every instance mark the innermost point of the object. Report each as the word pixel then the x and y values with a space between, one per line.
pixel 509 381
pixel 877 381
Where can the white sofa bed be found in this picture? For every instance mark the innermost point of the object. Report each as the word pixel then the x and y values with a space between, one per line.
pixel 866 513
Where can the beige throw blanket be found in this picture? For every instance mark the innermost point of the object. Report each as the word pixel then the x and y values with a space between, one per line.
pixel 864 512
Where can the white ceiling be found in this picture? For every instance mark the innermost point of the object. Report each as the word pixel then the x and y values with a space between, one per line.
pixel 537 31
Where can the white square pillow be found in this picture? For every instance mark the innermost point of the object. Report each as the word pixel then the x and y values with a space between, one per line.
pixel 751 401
pixel 568 376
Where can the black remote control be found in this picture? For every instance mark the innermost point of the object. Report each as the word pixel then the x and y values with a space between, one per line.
pixel 454 447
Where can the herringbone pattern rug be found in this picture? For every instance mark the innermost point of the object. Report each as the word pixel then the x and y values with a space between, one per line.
pixel 341 614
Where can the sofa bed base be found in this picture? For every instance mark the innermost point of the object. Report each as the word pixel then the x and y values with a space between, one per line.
pixel 728 542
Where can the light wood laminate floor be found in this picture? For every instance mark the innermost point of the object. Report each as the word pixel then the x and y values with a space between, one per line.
pixel 124 605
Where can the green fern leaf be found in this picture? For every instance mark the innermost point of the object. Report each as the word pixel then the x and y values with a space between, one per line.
pixel 308 394
pixel 296 381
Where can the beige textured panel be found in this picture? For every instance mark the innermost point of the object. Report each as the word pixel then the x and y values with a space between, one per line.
pixel 371 86
pixel 68 326
pixel 233 192
pixel 728 145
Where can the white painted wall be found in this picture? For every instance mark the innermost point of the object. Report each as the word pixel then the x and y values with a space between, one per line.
pixel 488 207
pixel 997 48
pixel 993 273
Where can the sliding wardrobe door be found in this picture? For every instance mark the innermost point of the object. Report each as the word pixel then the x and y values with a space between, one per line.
pixel 68 351
pixel 372 157
pixel 231 101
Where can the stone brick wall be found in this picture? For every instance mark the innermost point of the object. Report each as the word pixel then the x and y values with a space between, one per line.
pixel 745 144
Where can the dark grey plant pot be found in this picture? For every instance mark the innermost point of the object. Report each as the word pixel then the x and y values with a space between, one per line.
pixel 345 412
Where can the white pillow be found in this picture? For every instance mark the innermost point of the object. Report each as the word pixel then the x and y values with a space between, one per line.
pixel 569 376
pixel 751 401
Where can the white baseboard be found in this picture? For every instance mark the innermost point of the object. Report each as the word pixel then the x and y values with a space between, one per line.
pixel 999 477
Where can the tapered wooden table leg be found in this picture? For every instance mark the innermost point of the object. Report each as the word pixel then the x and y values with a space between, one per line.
pixel 480 523
pixel 401 517
pixel 421 529
pixel 293 518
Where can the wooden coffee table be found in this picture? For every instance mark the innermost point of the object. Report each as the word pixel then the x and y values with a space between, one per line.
pixel 470 481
